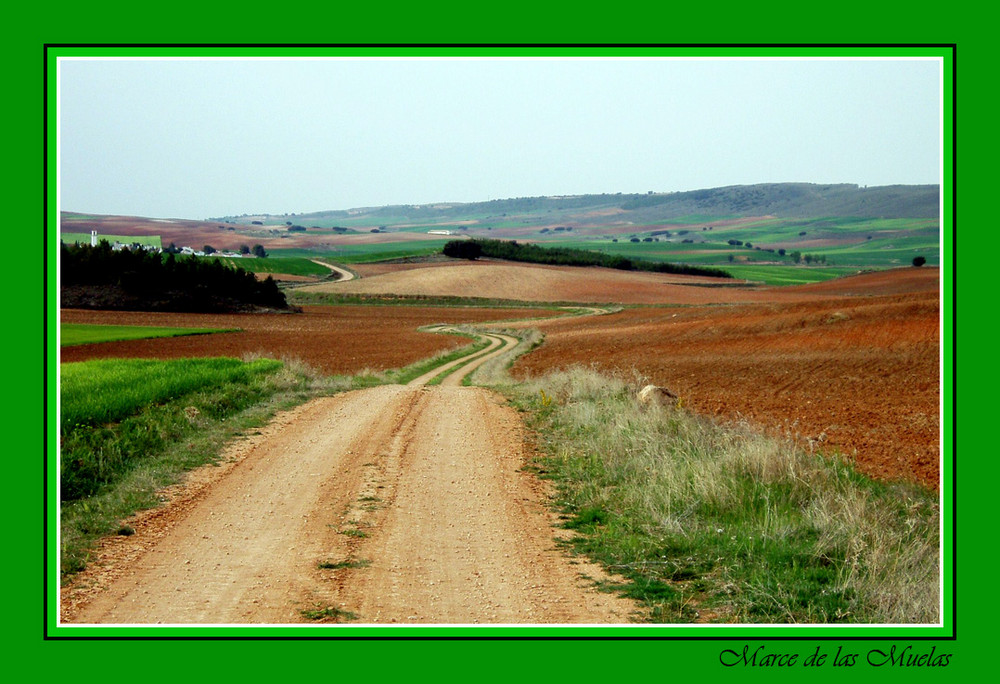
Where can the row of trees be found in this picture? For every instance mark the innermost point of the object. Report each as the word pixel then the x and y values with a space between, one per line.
pixel 511 250
pixel 151 281
pixel 257 250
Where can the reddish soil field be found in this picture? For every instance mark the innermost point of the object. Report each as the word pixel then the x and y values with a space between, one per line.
pixel 849 366
pixel 857 376
pixel 335 340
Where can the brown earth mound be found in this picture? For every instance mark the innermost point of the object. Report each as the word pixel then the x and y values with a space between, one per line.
pixel 503 280
pixel 531 282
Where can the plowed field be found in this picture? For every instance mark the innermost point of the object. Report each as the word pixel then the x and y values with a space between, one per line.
pixel 858 375
pixel 335 340
pixel 849 366
pixel 542 284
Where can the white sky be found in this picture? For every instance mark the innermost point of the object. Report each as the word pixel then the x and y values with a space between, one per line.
pixel 205 138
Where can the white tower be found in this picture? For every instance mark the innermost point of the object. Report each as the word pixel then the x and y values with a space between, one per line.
pixel 93 238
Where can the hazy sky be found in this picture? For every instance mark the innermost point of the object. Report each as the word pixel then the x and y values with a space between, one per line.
pixel 204 138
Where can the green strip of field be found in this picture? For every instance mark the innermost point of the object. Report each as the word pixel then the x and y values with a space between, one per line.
pixel 788 275
pixel 71 334
pixel 291 265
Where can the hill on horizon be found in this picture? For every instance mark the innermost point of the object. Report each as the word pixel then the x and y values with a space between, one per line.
pixel 778 224
pixel 781 200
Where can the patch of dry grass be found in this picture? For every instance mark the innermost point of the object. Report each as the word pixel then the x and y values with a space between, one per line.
pixel 717 520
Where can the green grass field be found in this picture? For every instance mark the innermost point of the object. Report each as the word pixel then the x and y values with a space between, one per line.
pixel 277 263
pixel 788 275
pixel 853 242
pixel 71 334
pixel 105 390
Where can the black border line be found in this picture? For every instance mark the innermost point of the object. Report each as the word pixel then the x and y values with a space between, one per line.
pixel 45 340
pixel 953 47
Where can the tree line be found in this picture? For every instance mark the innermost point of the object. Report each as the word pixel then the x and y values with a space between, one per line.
pixel 511 250
pixel 101 277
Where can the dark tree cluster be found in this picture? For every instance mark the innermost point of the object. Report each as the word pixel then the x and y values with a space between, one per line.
pixel 511 250
pixel 100 277
pixel 463 249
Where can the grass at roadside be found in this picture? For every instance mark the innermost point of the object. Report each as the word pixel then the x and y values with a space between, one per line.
pixel 111 468
pixel 105 390
pixel 720 524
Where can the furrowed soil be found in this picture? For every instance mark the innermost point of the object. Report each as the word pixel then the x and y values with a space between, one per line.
pixel 333 339
pixel 856 376
pixel 536 283
pixel 848 366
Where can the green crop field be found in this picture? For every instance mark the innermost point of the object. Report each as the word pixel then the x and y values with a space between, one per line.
pixel 841 241
pixel 770 274
pixel 80 333
pixel 105 390
pixel 292 265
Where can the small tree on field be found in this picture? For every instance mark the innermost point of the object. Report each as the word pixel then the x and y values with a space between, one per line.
pixel 244 249
pixel 258 251
pixel 208 249
pixel 919 261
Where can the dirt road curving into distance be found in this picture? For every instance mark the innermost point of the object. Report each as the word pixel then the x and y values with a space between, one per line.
pixel 343 274
pixel 394 504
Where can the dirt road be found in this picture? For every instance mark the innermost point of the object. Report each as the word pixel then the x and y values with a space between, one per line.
pixel 394 504
pixel 343 273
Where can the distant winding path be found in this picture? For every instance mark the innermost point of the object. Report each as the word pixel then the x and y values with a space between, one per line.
pixel 345 275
